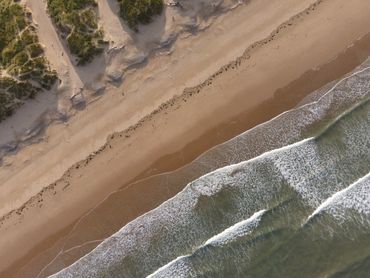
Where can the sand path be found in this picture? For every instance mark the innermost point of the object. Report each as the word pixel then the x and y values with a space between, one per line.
pixel 55 51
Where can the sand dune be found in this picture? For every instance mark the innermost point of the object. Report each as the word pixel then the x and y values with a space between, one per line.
pixel 55 50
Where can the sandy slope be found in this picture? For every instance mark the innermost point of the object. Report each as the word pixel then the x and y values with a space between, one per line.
pixel 301 44
pixel 55 51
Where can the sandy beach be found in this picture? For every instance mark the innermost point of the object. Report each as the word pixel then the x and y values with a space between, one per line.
pixel 167 113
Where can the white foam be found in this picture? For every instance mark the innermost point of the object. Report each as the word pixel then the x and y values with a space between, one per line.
pixel 240 228
pixel 355 196
pixel 210 183
pixel 161 269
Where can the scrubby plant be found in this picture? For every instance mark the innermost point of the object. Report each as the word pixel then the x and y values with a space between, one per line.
pixel 34 50
pixel 12 94
pixel 136 12
pixel 24 70
pixel 77 21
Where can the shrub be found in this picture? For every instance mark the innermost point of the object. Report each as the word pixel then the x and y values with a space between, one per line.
pixel 77 20
pixel 21 59
pixel 34 50
pixel 135 12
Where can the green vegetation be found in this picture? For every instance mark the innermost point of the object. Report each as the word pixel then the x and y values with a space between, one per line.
pixel 24 71
pixel 135 12
pixel 77 20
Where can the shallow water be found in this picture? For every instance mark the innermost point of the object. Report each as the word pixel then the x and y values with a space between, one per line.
pixel 298 205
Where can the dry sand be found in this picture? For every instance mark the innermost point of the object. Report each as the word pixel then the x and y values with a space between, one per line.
pixel 308 41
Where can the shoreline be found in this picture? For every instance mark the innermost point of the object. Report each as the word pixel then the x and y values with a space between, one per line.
pixel 169 164
pixel 198 101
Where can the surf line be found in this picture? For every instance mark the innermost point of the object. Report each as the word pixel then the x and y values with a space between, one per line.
pixel 250 223
pixel 336 196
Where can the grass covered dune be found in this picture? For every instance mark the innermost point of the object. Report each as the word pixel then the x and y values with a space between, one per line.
pixel 77 21
pixel 136 12
pixel 24 70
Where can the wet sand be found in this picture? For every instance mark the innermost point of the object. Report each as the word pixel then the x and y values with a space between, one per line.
pixel 269 79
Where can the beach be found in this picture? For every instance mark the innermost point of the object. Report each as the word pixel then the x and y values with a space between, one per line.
pixel 167 113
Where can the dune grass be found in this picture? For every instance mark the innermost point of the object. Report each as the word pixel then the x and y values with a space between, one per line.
pixel 77 22
pixel 24 70
pixel 135 12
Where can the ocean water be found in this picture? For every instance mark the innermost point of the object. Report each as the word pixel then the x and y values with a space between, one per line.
pixel 298 206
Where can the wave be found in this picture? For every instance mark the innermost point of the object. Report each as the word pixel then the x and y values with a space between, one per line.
pixel 236 230
pixel 176 267
pixel 356 197
pixel 291 179
pixel 233 258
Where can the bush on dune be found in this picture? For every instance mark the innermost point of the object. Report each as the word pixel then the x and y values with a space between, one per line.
pixel 77 20
pixel 136 12
pixel 24 71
